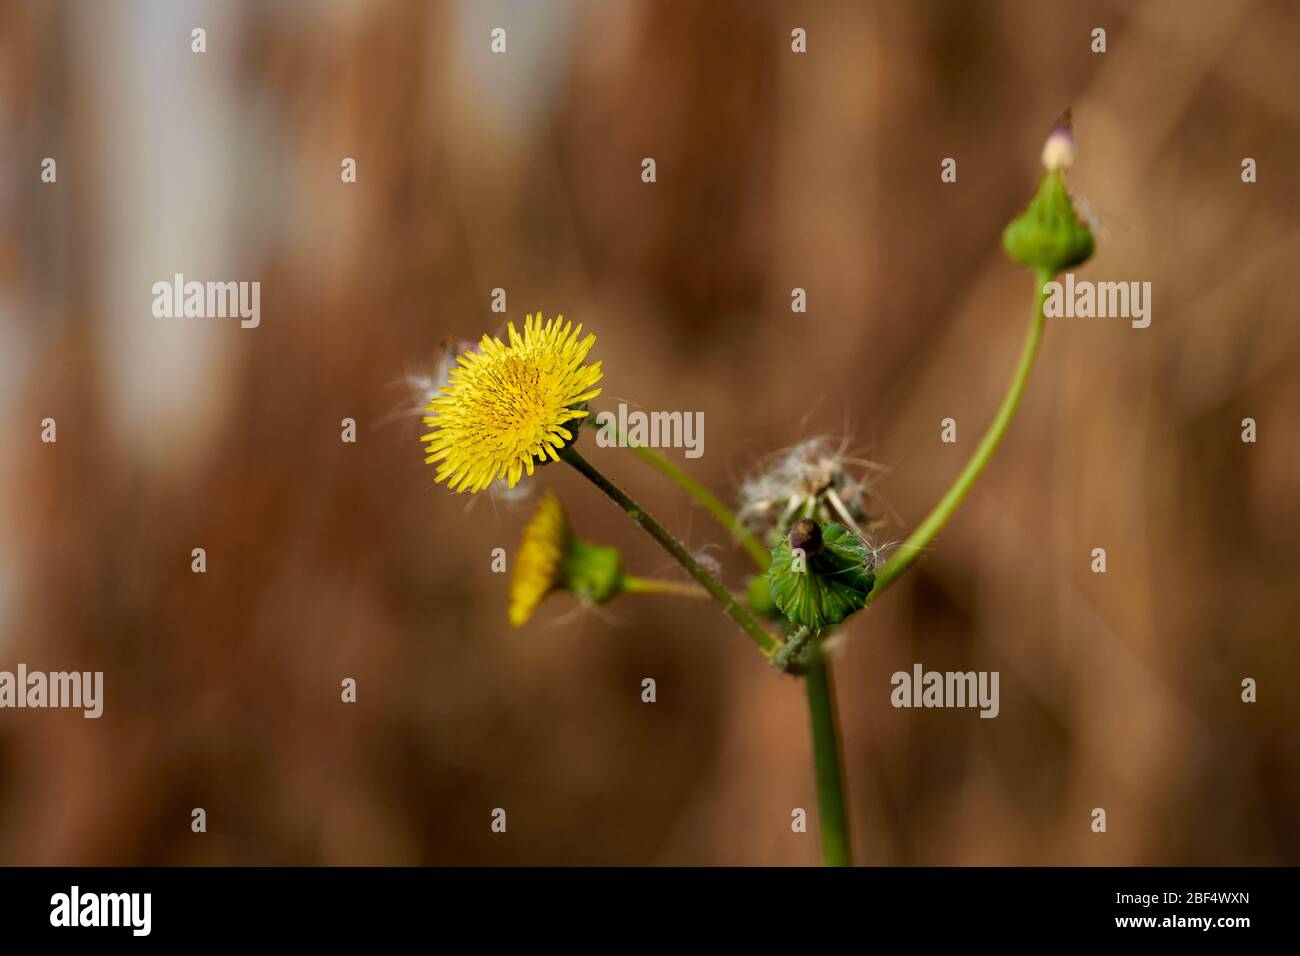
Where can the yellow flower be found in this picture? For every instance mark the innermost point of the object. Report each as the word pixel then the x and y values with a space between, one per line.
pixel 539 563
pixel 505 407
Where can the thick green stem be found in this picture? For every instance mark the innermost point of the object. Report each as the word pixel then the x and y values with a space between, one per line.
pixel 734 609
pixel 837 850
pixel 635 585
pixel 919 539
pixel 707 500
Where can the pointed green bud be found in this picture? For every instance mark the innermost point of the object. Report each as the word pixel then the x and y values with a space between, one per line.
pixel 1049 237
pixel 820 589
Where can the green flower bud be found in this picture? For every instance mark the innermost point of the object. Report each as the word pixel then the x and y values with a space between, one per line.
pixel 758 595
pixel 1048 237
pixel 550 558
pixel 822 589
pixel 593 572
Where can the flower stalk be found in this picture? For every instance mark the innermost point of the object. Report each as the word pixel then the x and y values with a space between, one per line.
pixel 833 818
pixel 833 821
pixel 733 608
pixel 636 585
pixel 925 532
pixel 706 499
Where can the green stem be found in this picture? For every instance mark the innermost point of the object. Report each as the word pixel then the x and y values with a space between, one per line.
pixel 794 645
pixel 734 609
pixel 837 850
pixel 832 815
pixel 707 500
pixel 916 543
pixel 635 585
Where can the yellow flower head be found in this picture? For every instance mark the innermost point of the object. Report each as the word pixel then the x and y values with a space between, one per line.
pixel 539 563
pixel 505 407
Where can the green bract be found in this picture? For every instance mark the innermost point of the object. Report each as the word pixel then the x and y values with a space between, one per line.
pixel 592 571
pixel 822 590
pixel 1048 236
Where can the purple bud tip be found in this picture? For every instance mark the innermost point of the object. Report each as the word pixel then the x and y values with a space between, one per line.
pixel 1058 151
pixel 806 536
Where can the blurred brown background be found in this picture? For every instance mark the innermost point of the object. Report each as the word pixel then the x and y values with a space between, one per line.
pixel 522 171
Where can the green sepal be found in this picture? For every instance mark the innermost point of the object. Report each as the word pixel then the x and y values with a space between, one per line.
pixel 593 572
pixel 833 584
pixel 1048 236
